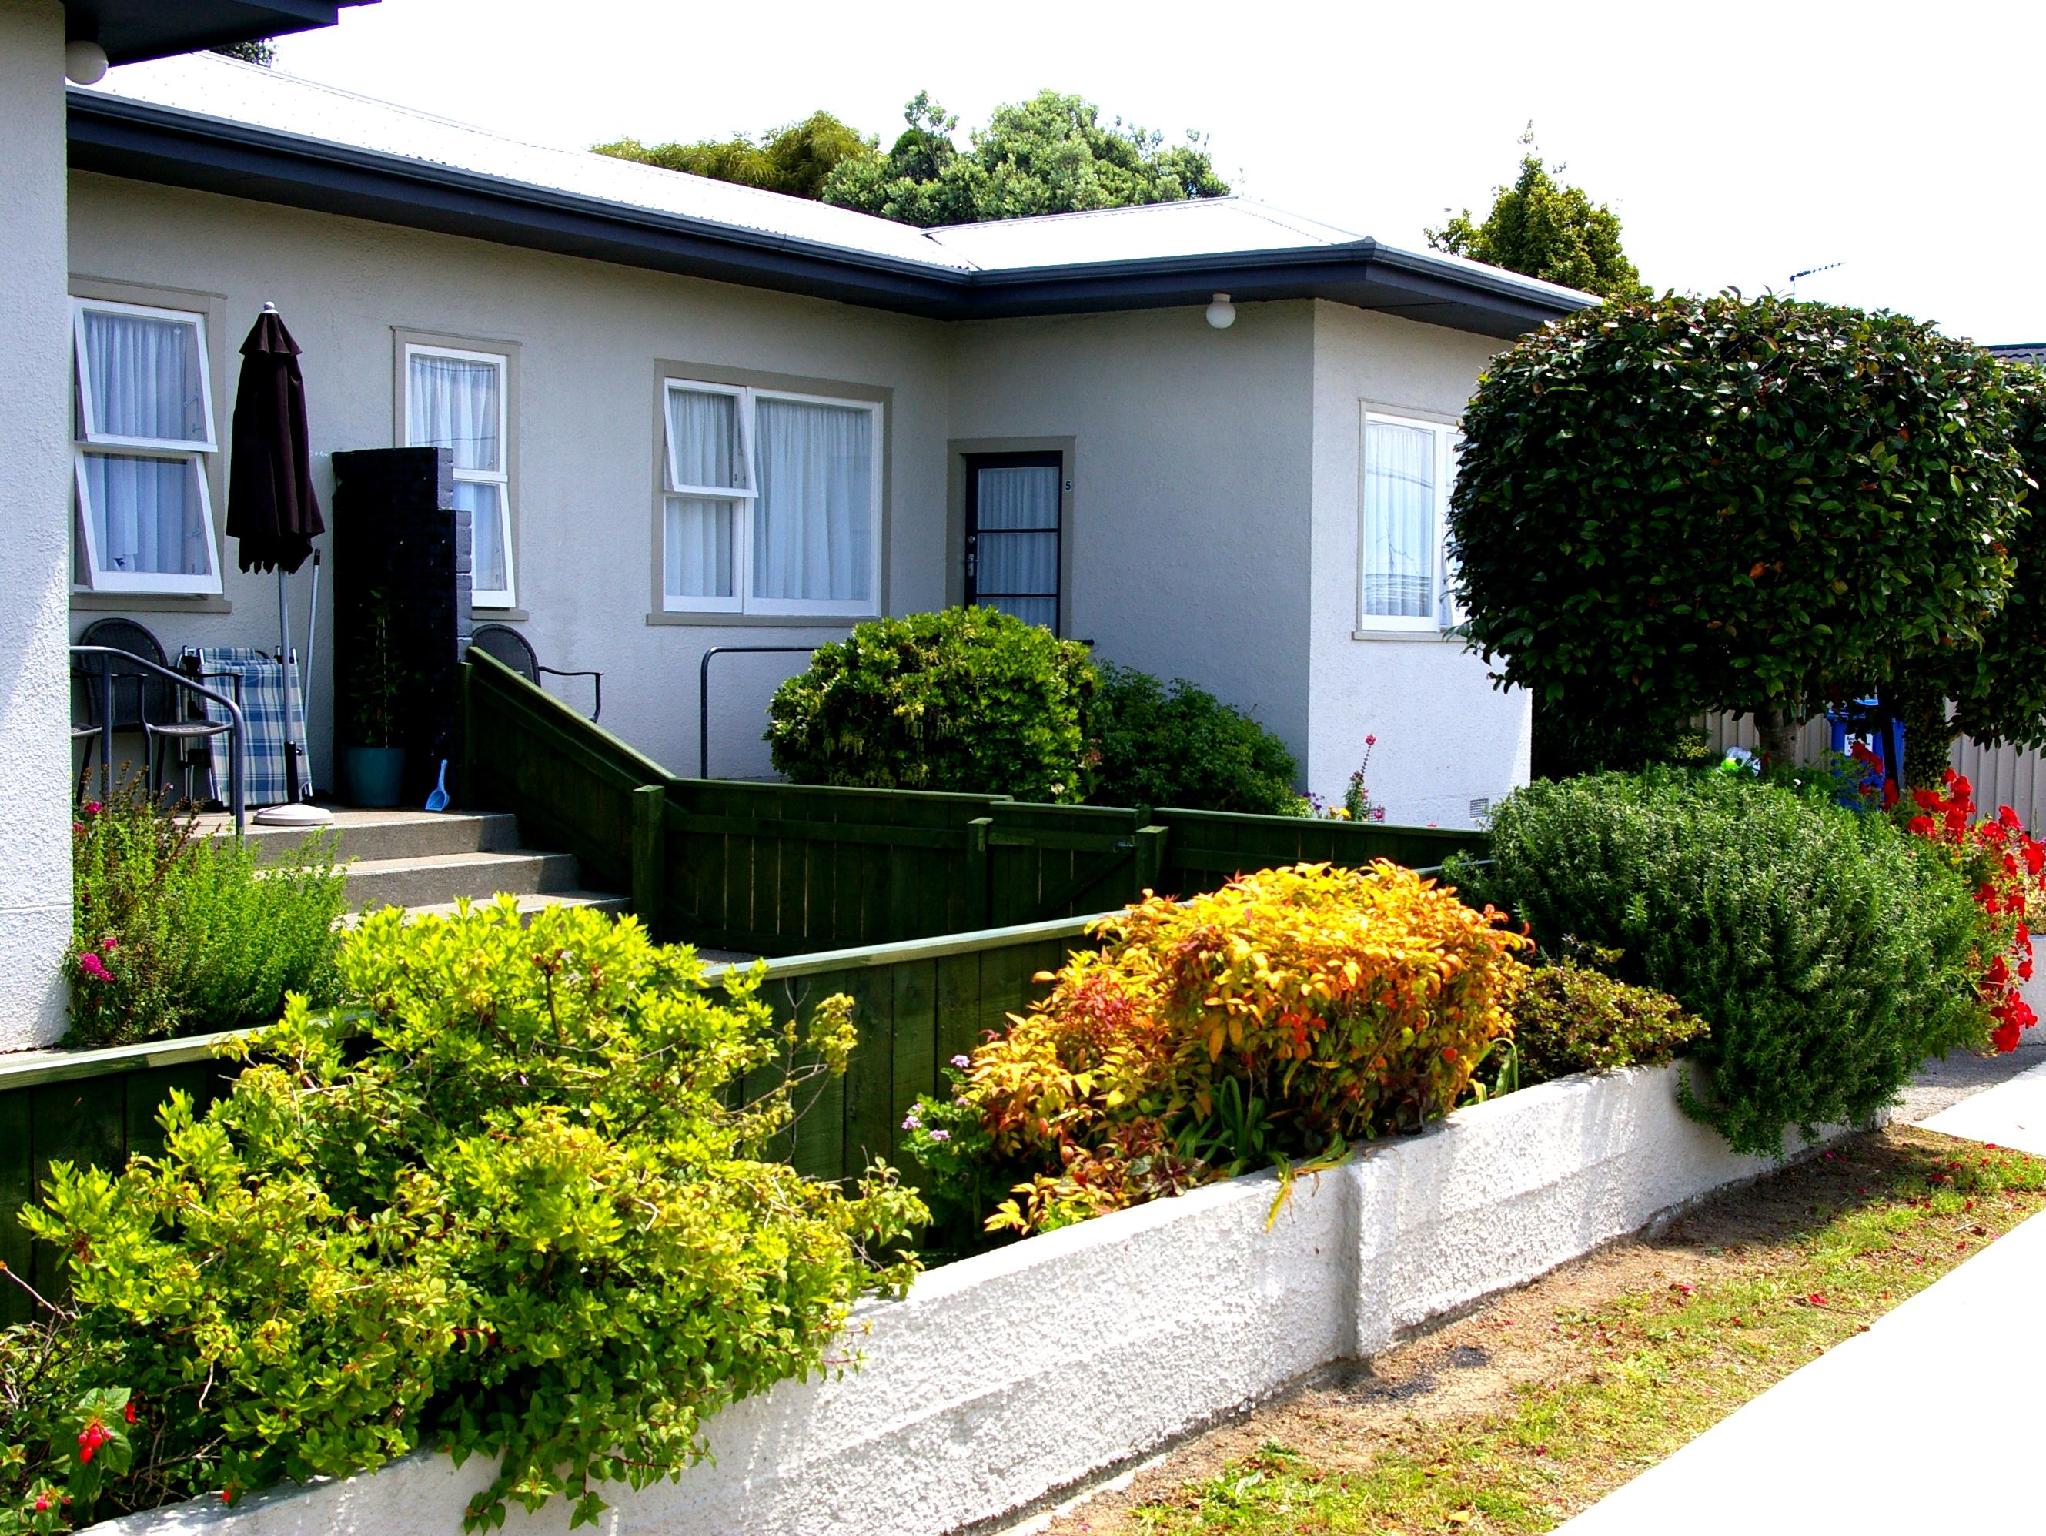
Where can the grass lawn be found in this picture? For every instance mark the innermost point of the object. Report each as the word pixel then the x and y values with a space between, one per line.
pixel 1521 1414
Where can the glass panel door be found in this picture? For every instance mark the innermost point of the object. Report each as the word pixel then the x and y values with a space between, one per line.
pixel 1013 534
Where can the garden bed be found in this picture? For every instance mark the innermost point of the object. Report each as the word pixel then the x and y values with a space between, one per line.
pixel 1005 1378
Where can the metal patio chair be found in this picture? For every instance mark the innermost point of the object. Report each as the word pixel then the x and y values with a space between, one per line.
pixel 502 643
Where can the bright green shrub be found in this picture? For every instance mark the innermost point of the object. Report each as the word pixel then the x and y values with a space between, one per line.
pixel 1176 744
pixel 1827 954
pixel 175 934
pixel 1285 1014
pixel 967 699
pixel 1571 1018
pixel 512 1206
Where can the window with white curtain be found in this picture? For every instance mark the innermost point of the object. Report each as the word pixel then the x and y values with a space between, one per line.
pixel 771 502
pixel 143 429
pixel 1404 576
pixel 458 400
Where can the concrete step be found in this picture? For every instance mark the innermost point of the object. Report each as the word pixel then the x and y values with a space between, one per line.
pixel 439 878
pixel 529 903
pixel 381 835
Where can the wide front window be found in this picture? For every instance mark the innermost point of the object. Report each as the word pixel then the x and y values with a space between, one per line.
pixel 142 416
pixel 457 400
pixel 771 502
pixel 1404 578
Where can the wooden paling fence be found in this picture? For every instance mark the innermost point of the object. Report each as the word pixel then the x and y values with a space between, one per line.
pixel 786 869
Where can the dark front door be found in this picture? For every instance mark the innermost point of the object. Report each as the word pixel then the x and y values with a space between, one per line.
pixel 1013 534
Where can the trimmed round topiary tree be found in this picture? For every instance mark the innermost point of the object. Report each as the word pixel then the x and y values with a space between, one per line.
pixel 1751 505
pixel 966 699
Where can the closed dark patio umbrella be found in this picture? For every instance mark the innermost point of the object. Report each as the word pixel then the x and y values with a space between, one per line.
pixel 273 512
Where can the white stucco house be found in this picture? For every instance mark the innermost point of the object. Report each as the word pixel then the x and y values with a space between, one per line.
pixel 37 469
pixel 693 414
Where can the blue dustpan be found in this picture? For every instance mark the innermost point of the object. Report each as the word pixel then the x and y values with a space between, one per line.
pixel 438 800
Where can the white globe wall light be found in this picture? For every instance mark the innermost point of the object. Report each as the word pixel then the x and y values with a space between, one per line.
pixel 1221 313
pixel 85 62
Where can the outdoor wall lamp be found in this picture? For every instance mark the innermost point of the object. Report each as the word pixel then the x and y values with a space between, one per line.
pixel 1221 313
pixel 85 62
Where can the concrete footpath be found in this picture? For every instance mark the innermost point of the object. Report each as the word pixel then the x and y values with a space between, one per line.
pixel 1919 1425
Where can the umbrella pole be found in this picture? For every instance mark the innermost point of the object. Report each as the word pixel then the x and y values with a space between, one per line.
pixel 291 780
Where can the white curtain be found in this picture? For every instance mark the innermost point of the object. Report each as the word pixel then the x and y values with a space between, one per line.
pixel 705 450
pixel 146 377
pixel 484 501
pixel 452 402
pixel 1016 514
pixel 813 521
pixel 145 515
pixel 1399 521
pixel 696 548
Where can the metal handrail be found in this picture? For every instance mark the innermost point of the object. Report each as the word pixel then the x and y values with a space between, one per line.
pixel 703 691
pixel 237 729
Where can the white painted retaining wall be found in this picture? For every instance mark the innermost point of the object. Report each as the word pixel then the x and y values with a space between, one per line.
pixel 1021 1372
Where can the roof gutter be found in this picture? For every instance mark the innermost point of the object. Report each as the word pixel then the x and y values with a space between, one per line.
pixel 120 137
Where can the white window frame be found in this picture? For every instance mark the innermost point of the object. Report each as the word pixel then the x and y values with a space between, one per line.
pixel 479 597
pixel 744 501
pixel 88 438
pixel 1445 616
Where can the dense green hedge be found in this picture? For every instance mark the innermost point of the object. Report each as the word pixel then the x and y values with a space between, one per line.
pixel 1828 955
pixel 1177 744
pixel 968 699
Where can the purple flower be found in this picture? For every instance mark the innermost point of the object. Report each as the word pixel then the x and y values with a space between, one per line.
pixel 962 1062
pixel 910 1122
pixel 941 1135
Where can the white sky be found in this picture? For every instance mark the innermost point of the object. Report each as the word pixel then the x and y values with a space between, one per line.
pixel 1739 142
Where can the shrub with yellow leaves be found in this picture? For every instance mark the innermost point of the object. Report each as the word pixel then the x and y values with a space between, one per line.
pixel 1289 1013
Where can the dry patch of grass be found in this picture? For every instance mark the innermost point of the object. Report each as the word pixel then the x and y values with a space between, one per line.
pixel 1519 1415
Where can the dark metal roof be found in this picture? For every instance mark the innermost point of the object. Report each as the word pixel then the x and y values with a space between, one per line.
pixel 179 148
pixel 132 30
pixel 2033 352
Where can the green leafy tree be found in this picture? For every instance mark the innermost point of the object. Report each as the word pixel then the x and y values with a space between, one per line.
pixel 1541 228
pixel 1997 688
pixel 796 159
pixel 262 51
pixel 1050 154
pixel 1756 506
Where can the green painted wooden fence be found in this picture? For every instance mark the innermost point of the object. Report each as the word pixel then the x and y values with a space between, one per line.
pixel 917 1005
pixel 84 1107
pixel 787 869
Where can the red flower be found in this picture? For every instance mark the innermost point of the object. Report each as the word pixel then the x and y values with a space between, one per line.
pixel 2009 818
pixel 1889 794
pixel 1925 799
pixel 129 1412
pixel 1920 826
pixel 94 1436
pixel 92 808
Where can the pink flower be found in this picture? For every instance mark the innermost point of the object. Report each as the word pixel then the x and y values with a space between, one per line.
pixel 962 1062
pixel 94 967
pixel 941 1135
pixel 92 808
pixel 1370 741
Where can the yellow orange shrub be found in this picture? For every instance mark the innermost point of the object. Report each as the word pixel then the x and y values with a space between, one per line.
pixel 1340 1003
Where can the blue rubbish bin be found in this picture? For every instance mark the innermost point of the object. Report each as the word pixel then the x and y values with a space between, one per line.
pixel 1862 723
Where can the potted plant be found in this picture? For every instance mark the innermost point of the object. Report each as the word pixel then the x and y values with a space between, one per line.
pixel 373 764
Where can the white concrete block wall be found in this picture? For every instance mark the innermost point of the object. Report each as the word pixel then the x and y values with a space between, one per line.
pixel 35 469
pixel 1008 1377
pixel 1446 736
